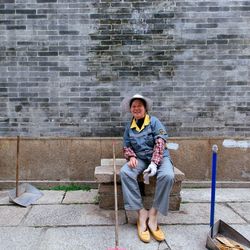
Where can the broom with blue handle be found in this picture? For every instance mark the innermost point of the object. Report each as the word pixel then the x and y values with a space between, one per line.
pixel 214 166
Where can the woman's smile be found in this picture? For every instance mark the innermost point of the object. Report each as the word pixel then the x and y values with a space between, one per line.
pixel 137 109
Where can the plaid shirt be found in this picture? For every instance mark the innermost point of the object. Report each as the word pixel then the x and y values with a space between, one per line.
pixel 157 154
pixel 158 151
pixel 128 153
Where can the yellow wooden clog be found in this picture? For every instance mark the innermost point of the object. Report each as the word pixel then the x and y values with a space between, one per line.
pixel 157 234
pixel 143 235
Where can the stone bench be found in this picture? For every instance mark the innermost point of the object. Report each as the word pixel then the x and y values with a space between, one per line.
pixel 105 179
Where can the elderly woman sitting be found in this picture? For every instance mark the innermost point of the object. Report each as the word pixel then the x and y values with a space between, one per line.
pixel 144 148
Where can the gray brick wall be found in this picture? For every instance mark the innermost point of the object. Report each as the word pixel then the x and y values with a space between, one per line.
pixel 65 66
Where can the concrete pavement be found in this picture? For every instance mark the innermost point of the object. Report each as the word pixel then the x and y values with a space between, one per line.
pixel 73 220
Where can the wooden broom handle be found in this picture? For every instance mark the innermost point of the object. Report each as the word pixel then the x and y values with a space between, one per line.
pixel 17 165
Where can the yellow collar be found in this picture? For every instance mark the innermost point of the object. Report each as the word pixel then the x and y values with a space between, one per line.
pixel 145 123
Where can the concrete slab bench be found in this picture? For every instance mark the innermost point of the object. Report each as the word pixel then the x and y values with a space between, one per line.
pixel 105 179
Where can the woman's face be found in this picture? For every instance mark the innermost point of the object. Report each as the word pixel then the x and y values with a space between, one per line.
pixel 137 109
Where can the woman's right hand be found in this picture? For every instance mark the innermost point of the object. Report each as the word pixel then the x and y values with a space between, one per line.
pixel 132 162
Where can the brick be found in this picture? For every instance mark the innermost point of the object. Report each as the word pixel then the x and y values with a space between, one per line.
pixel 7 22
pixel 16 27
pixel 69 73
pixel 68 32
pixel 6 11
pixel 47 53
pixel 37 16
pixel 99 16
pixel 46 1
pixel 24 11
pixel 164 15
pixel 7 1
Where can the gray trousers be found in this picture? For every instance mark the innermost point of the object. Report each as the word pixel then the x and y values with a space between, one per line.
pixel 130 188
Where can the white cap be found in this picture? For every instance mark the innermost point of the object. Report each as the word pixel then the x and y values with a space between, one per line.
pixel 128 100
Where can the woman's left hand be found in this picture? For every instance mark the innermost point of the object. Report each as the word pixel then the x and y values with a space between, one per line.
pixel 152 169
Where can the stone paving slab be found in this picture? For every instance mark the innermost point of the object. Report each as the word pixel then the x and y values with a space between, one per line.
pixel 19 238
pixel 222 195
pixel 58 197
pixel 242 208
pixel 186 237
pixel 199 213
pixel 89 238
pixel 193 237
pixel 12 215
pixel 80 196
pixel 4 198
pixel 195 213
pixel 65 215
pixel 51 197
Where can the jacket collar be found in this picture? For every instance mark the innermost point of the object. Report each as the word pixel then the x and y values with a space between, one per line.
pixel 145 123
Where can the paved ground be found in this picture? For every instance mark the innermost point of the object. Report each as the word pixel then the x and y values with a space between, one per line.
pixel 72 220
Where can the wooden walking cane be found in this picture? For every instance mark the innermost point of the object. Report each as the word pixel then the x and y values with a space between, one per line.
pixel 17 166
pixel 116 206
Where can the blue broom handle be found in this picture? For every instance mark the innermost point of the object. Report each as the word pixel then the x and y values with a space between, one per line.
pixel 214 163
